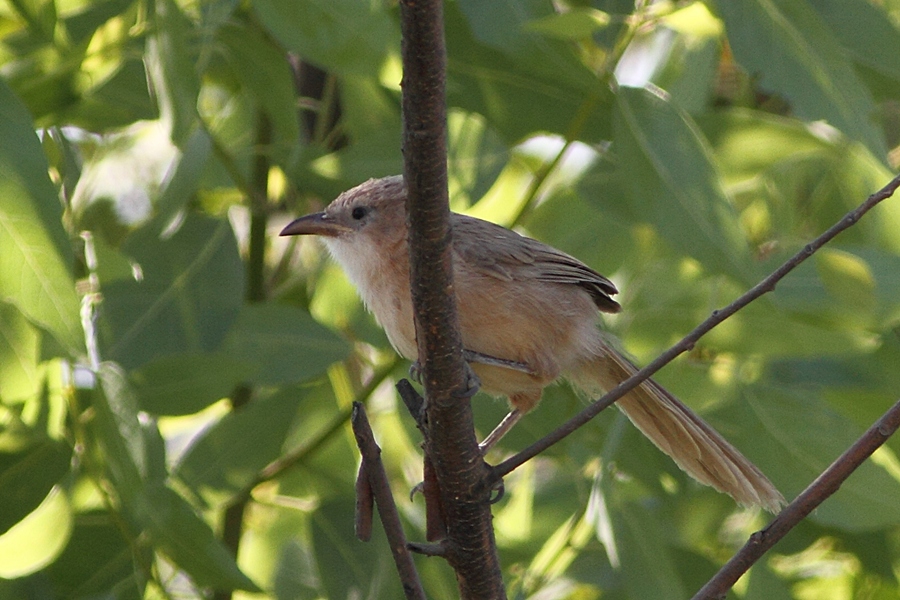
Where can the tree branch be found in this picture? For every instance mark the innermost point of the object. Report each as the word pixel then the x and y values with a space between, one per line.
pixel 688 341
pixel 373 470
pixel 450 443
pixel 817 492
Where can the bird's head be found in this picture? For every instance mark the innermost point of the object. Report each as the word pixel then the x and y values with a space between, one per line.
pixel 372 210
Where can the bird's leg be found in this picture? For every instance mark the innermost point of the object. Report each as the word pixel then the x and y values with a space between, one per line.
pixel 471 356
pixel 514 415
pixel 416 373
pixel 485 359
pixel 500 430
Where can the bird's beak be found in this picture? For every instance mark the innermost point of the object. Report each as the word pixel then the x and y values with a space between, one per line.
pixel 315 224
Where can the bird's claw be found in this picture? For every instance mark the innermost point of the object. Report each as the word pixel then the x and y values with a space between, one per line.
pixel 419 488
pixel 500 490
pixel 415 372
pixel 473 384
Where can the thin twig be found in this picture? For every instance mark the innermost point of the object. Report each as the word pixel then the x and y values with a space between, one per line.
pixel 824 486
pixel 384 501
pixel 365 501
pixel 298 454
pixel 438 549
pixel 688 341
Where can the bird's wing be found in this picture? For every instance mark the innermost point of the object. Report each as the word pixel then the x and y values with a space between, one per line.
pixel 513 256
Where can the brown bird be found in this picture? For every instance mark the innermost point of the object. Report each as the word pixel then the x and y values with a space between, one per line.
pixel 527 315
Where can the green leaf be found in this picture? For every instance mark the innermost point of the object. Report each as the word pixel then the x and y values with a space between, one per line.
pixel 174 67
pixel 748 142
pixel 475 156
pixel 848 278
pixel 182 384
pixel 182 185
pixel 793 436
pixel 577 24
pixel 264 71
pixel 189 542
pixel 866 32
pixel 567 221
pixel 668 171
pixel 135 458
pixel 37 540
pixel 118 431
pixel 118 99
pixel 343 36
pixel 35 255
pixel 796 54
pixel 647 563
pixel 763 584
pixel 518 88
pixel 345 565
pixel 231 453
pixel 19 351
pixel 40 15
pixel 375 154
pixel 82 24
pixel 97 559
pixel 283 344
pixel 190 292
pixel 27 476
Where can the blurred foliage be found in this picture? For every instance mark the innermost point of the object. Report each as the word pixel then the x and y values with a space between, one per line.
pixel 163 355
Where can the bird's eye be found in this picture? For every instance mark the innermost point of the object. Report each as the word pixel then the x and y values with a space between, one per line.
pixel 359 212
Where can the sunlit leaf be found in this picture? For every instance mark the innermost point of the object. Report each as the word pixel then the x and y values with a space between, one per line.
pixel 27 476
pixel 189 542
pixel 793 51
pixel 793 437
pixel 19 344
pixel 668 170
pixel 341 35
pixel 35 254
pixel 36 541
pixel 174 67
pixel 513 84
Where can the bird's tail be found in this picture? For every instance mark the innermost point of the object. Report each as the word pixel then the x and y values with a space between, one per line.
pixel 676 430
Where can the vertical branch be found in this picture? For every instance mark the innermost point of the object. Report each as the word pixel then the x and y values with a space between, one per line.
pixel 451 443
pixel 233 519
pixel 377 485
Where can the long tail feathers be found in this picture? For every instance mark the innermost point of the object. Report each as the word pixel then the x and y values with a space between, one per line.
pixel 676 430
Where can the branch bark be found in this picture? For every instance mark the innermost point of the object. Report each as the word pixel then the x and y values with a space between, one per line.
pixel 450 444
pixel 377 487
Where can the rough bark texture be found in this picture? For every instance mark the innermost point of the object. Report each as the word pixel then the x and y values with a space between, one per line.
pixel 450 443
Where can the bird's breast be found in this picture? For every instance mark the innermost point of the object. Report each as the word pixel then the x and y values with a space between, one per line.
pixel 382 280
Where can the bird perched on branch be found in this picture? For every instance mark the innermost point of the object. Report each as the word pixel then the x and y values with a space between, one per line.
pixel 527 315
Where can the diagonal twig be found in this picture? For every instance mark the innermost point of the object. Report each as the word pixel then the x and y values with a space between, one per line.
pixel 817 492
pixel 688 341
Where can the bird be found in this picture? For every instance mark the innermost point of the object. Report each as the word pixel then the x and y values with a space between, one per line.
pixel 527 316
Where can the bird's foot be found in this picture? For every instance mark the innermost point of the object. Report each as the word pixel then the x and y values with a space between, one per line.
pixel 485 359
